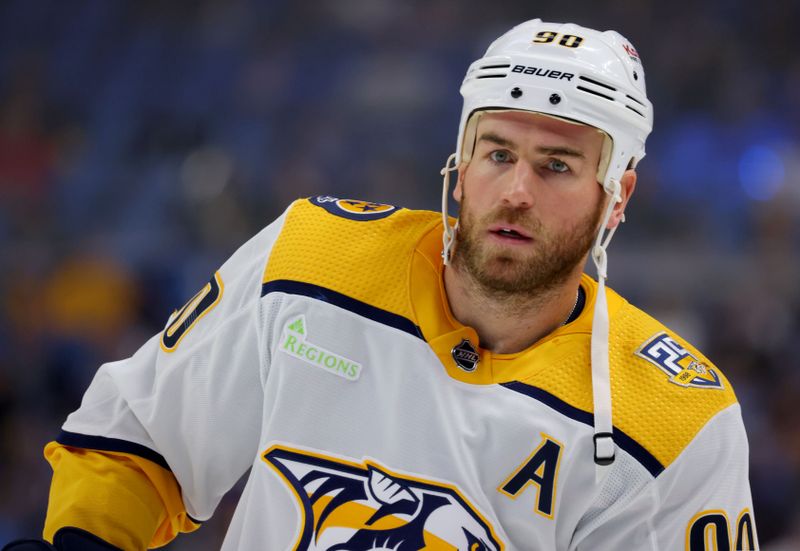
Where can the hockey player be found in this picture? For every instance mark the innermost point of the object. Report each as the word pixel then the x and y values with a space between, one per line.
pixel 395 381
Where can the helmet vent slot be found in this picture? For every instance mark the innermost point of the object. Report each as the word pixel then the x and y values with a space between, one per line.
pixel 595 92
pixel 635 111
pixel 634 99
pixel 495 70
pixel 597 83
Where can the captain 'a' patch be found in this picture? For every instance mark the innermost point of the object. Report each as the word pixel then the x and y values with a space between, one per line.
pixel 540 471
pixel 353 209
pixel 683 368
pixel 358 506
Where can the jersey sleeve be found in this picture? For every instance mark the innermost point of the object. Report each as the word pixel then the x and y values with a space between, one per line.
pixel 128 501
pixel 187 406
pixel 701 501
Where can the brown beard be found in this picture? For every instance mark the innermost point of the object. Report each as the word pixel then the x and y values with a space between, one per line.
pixel 502 274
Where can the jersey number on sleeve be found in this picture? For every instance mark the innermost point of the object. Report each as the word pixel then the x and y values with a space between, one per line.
pixel 184 319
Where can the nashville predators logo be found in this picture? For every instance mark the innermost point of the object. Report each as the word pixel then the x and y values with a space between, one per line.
pixel 353 209
pixel 350 506
pixel 682 367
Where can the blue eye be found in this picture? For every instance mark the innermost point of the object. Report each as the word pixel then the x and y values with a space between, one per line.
pixel 557 166
pixel 500 156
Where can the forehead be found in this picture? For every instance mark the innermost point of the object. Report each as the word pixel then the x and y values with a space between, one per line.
pixel 519 126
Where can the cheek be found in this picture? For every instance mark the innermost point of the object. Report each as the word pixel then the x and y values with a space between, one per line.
pixel 466 187
pixel 583 197
pixel 479 184
pixel 560 210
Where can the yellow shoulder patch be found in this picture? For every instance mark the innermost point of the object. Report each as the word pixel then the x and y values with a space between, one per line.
pixel 663 390
pixel 357 248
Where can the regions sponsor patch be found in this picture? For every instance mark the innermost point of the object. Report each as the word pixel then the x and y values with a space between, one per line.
pixel 348 505
pixel 294 342
pixel 679 364
pixel 353 209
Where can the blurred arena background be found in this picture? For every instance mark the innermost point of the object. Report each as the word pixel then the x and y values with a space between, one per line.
pixel 142 141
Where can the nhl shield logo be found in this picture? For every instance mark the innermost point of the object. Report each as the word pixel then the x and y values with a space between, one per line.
pixel 465 356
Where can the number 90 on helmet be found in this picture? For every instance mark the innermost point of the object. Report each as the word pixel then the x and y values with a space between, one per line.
pixel 566 71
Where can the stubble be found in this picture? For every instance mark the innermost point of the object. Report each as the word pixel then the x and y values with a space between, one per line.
pixel 505 274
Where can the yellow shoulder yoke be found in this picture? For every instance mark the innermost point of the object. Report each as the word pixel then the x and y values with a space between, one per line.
pixel 663 389
pixel 366 259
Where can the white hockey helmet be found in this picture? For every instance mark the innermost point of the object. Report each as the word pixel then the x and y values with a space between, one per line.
pixel 566 71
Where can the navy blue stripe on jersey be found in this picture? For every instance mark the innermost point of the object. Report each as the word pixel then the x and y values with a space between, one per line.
pixel 634 449
pixel 342 301
pixel 104 444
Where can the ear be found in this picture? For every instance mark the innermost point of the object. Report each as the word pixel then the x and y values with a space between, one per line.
pixel 458 191
pixel 628 183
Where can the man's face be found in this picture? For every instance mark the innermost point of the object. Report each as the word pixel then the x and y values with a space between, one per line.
pixel 530 202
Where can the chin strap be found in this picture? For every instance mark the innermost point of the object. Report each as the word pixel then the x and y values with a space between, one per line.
pixel 449 231
pixel 604 450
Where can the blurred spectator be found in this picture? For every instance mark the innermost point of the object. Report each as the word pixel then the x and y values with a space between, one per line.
pixel 27 154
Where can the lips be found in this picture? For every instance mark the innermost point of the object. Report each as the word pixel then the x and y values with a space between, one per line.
pixel 510 232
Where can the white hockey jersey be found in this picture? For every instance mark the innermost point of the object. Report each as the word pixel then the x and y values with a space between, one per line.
pixel 323 355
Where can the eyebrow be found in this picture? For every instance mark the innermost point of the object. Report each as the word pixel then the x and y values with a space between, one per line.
pixel 545 150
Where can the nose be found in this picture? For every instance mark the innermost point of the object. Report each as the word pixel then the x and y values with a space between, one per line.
pixel 519 188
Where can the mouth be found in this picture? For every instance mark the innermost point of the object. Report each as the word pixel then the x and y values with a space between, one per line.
pixel 510 233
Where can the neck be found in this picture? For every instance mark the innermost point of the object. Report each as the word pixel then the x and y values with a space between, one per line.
pixel 509 323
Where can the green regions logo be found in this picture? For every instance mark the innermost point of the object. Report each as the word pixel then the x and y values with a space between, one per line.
pixel 353 209
pixel 295 343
